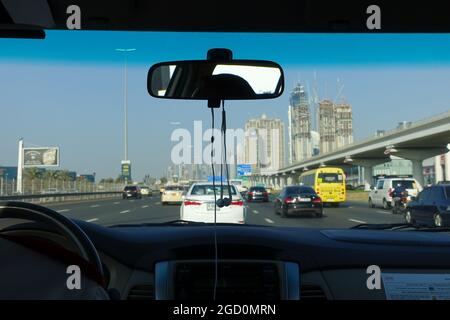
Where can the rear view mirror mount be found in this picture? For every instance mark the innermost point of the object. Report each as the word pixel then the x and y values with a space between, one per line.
pixel 216 79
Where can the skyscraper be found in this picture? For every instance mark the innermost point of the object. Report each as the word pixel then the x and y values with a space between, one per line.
pixel 264 144
pixel 344 124
pixel 300 147
pixel 335 125
pixel 327 126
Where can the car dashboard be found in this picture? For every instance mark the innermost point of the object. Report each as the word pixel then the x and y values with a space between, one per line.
pixel 260 263
pixel 177 262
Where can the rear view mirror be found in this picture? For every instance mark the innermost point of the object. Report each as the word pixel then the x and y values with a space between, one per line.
pixel 216 80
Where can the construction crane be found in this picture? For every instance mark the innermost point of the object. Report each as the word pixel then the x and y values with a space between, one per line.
pixel 340 87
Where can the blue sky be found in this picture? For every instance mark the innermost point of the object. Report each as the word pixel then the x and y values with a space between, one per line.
pixel 66 90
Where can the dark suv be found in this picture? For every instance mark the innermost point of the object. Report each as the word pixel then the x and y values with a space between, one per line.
pixel 257 193
pixel 131 192
pixel 430 207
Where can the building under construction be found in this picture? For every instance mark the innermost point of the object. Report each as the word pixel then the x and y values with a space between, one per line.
pixel 327 126
pixel 299 118
pixel 335 125
pixel 344 124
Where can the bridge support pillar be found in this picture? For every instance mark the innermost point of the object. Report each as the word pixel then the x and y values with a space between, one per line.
pixel 417 171
pixel 289 180
pixel 292 179
pixel 438 174
pixel 416 156
pixel 283 181
pixel 367 177
pixel 447 165
pixel 367 165
pixel 278 182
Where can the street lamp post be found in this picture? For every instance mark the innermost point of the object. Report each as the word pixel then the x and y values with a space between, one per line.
pixel 125 106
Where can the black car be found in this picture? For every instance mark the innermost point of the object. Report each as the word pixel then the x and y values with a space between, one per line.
pixel 257 193
pixel 430 207
pixel 298 200
pixel 131 192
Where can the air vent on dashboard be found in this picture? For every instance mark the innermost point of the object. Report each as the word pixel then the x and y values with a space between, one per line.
pixel 312 292
pixel 142 292
pixel 236 280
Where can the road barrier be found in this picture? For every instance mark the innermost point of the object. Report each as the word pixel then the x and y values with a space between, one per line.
pixel 61 197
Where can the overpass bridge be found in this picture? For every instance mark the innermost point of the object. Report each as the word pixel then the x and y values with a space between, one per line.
pixel 419 141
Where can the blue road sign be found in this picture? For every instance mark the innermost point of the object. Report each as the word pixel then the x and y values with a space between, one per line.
pixel 217 178
pixel 244 170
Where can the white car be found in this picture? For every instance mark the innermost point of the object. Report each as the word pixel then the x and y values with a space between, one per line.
pixel 380 194
pixel 145 191
pixel 198 205
pixel 172 194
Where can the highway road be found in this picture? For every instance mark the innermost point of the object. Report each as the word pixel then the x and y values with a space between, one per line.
pixel 150 210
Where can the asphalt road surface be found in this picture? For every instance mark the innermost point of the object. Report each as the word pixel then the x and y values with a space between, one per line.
pixel 150 210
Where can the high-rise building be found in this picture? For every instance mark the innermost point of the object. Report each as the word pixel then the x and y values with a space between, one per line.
pixel 327 126
pixel 264 144
pixel 344 124
pixel 299 118
pixel 335 125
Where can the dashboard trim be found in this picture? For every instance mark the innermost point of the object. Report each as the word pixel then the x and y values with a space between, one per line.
pixel 162 280
pixel 292 278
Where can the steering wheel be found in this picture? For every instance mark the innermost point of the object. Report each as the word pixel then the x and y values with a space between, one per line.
pixel 49 277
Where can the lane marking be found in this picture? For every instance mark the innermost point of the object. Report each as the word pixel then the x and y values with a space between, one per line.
pixel 357 221
pixel 383 212
pixel 255 211
pixel 63 210
pixel 143 207
pixel 92 220
pixel 158 203
pixel 269 220
pixel 131 200
pixel 116 202
pixel 95 206
pixel 125 211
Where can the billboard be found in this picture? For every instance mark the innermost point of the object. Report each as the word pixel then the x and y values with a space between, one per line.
pixel 41 157
pixel 126 170
pixel 244 170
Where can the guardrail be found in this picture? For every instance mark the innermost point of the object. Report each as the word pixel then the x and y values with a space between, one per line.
pixel 60 197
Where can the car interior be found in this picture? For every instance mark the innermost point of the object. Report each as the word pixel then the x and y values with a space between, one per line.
pixel 191 261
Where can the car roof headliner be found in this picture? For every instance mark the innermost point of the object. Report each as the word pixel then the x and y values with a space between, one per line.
pixel 229 16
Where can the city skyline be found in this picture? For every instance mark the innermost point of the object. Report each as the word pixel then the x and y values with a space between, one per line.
pixel 70 93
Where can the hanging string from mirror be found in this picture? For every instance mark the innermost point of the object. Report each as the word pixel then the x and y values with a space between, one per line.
pixel 215 207
pixel 226 201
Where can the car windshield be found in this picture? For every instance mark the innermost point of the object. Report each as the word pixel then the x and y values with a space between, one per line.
pixel 174 188
pixel 258 189
pixel 299 190
pixel 77 118
pixel 330 177
pixel 208 190
pixel 407 184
